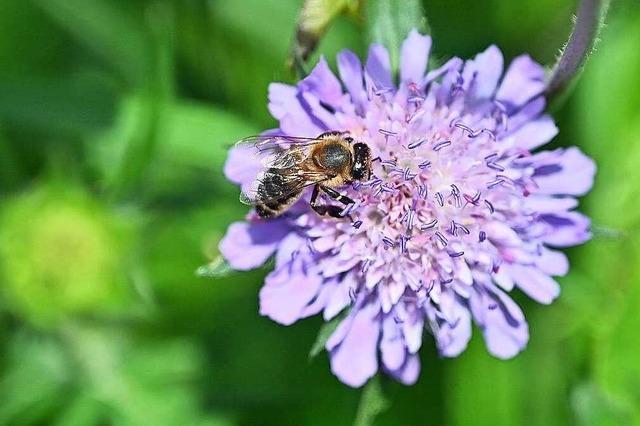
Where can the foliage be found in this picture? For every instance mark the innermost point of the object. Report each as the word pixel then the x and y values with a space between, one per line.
pixel 115 120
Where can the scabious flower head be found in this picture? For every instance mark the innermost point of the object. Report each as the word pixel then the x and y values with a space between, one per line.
pixel 460 209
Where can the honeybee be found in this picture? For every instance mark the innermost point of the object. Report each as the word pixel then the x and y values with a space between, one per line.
pixel 291 164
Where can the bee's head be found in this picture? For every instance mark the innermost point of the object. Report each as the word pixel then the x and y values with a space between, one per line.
pixel 361 168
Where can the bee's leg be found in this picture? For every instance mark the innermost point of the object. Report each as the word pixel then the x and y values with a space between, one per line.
pixel 336 195
pixel 330 210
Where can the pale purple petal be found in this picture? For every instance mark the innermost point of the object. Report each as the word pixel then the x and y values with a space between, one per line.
pixel 323 84
pixel 536 284
pixel 573 175
pixel 285 106
pixel 414 56
pixel 566 229
pixel 409 372
pixel 392 347
pixel 248 245
pixel 351 73
pixel 378 67
pixel 242 166
pixel 284 295
pixel 523 80
pixel 552 262
pixel 354 360
pixel 535 133
pixel 481 75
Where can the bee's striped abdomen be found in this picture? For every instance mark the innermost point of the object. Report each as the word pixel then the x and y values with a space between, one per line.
pixel 280 191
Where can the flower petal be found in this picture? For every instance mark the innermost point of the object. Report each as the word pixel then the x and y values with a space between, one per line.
pixel 242 166
pixel 523 80
pixel 409 372
pixel 355 360
pixel 350 69
pixel 378 67
pixel 537 285
pixel 323 84
pixel 248 245
pixel 285 106
pixel 573 174
pixel 566 229
pixel 414 57
pixel 286 293
pixel 535 133
pixel 482 73
pixel 391 345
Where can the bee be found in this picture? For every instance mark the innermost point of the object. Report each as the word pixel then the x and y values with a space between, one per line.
pixel 291 164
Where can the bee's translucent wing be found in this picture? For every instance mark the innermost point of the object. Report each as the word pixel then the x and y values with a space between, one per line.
pixel 288 184
pixel 278 151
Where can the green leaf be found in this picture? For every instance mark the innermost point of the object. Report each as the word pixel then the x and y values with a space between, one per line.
pixel 325 332
pixel 372 403
pixel 390 21
pixel 217 268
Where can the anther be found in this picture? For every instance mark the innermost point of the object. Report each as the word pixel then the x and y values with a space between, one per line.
pixel 440 199
pixel 387 132
pixel 456 254
pixel 423 192
pixel 494 183
pixel 388 243
pixel 416 143
pixel 489 206
pixel 424 165
pixel 429 225
pixel 357 224
pixel 482 236
pixel 441 238
pixel 495 166
pixel 437 147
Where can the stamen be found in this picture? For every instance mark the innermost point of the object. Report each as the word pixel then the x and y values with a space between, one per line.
pixel 441 238
pixel 410 217
pixel 388 243
pixel 397 319
pixel 437 147
pixel 382 91
pixel 403 243
pixel 490 156
pixel 356 185
pixel 416 143
pixel 463 228
pixel 453 229
pixel 352 294
pixel 413 117
pixel 386 188
pixel 456 254
pixel 365 265
pixel 415 99
pixel 495 166
pixel 357 224
pixel 454 189
pixel 389 163
pixel 387 132
pixel 482 236
pixel 422 191
pixel 490 206
pixel 494 183
pixel 424 165
pixel 429 225
pixel 408 175
pixel 310 246
pixel 440 199
pixel 447 281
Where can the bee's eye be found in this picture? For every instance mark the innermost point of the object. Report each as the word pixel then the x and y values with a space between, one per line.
pixel 349 139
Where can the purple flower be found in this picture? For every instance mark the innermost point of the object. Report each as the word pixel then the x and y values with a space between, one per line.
pixel 460 210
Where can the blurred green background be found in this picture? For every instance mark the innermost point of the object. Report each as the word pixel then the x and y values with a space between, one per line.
pixel 115 119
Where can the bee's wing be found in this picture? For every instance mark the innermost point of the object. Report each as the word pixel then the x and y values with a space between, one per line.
pixel 289 183
pixel 278 151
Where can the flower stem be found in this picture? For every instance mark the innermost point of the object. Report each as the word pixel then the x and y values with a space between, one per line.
pixel 588 23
